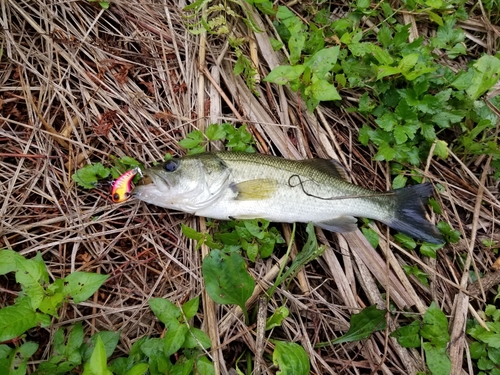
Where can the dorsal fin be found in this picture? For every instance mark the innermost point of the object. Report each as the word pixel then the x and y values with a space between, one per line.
pixel 329 166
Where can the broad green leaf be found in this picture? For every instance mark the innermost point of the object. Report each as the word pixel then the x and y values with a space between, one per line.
pixel 487 73
pixel 226 278
pixel 382 56
pixel 291 358
pixel 87 176
pixel 284 74
pixel 386 70
pixel 165 311
pixel 406 241
pixel 215 132
pixel 17 319
pixel 436 359
pixel 408 62
pixel 196 337
pixel 415 271
pixel 8 261
pixel 17 362
pixel 183 366
pixel 477 349
pixel 363 324
pixel 190 308
pixel 75 338
pixel 430 249
pixel 204 366
pixel 322 90
pixel 275 320
pixel 399 181
pixel 109 340
pixel 138 369
pixel 50 304
pixel 192 140
pixel 441 149
pixel 371 236
pixel 81 285
pixel 323 61
pixel 408 336
pixel 435 326
pixel 31 274
pixel 175 337
pixel 97 364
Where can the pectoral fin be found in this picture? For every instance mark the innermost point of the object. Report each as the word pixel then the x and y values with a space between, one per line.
pixel 339 224
pixel 257 189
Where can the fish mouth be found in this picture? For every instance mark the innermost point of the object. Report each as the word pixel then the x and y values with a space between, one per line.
pixel 150 177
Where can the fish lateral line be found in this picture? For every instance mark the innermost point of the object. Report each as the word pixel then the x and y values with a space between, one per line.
pixel 301 183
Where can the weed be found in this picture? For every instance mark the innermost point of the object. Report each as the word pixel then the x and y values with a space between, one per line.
pixel 432 335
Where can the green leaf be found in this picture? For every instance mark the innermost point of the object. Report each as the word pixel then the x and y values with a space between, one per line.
pixel 441 149
pixel 190 308
pixel 215 132
pixel 415 271
pixel 487 73
pixel 196 337
pixel 81 285
pixel 371 236
pixel 408 336
pixel 323 61
pixel 97 364
pixel 109 340
pixel 408 62
pixel 435 326
pixel 192 140
pixel 204 366
pixel 406 241
pixel 477 349
pixel 386 70
pixel 291 358
pixel 17 319
pixel 284 74
pixel 31 273
pixel 88 176
pixel 138 369
pixel 322 90
pixel 275 320
pixel 9 261
pixel 399 182
pixel 226 279
pixel 436 358
pixel 175 337
pixel 363 324
pixel 165 311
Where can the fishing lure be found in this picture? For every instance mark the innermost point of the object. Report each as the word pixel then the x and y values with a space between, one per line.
pixel 121 189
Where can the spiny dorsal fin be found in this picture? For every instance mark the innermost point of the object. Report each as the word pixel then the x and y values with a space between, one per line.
pixel 258 189
pixel 329 166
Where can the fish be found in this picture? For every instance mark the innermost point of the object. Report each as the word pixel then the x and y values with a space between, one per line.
pixel 233 185
pixel 121 188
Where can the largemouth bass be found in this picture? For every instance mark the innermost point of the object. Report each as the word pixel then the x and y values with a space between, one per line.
pixel 231 185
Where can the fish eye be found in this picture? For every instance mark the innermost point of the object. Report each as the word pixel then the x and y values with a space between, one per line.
pixel 171 165
pixel 116 197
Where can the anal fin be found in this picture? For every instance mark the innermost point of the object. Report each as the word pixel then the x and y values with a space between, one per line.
pixel 339 224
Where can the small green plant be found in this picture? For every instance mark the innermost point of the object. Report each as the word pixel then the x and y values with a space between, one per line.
pixel 102 4
pixel 89 176
pixel 236 139
pixel 432 335
pixel 37 303
pixel 39 299
pixel 362 325
pixel 486 349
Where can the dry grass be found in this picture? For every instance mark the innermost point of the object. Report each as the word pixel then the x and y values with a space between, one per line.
pixel 78 84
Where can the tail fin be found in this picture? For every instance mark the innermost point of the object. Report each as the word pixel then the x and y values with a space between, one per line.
pixel 409 217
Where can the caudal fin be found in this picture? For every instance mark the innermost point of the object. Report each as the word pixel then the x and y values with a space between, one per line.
pixel 409 215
